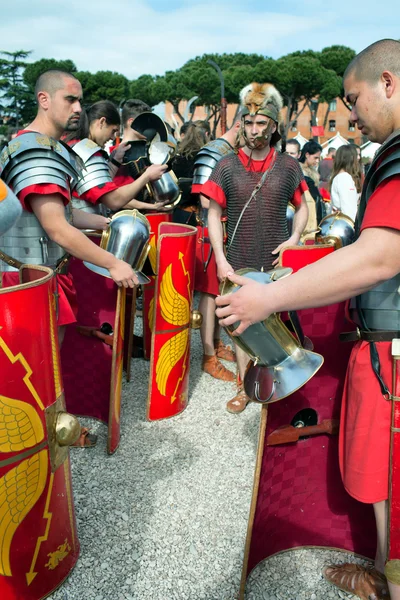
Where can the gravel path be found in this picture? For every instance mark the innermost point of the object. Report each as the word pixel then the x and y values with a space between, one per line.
pixel 165 518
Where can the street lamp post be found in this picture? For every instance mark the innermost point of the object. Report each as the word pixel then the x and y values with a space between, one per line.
pixel 223 99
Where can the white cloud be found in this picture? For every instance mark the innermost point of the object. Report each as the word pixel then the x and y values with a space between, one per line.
pixel 132 38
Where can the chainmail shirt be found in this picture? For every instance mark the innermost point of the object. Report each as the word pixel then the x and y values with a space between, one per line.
pixel 263 225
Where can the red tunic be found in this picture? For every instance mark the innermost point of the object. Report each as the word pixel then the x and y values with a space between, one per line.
pixel 364 439
pixel 67 305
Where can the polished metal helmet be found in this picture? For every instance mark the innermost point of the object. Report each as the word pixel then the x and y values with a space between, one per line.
pixel 280 364
pixel 127 237
pixel 336 229
pixel 290 212
pixel 151 126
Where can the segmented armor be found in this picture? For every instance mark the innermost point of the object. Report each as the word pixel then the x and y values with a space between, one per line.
pixel 32 159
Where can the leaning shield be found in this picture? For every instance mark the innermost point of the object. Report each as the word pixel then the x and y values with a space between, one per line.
pixel 171 318
pixel 155 219
pixel 92 351
pixel 298 497
pixel 39 544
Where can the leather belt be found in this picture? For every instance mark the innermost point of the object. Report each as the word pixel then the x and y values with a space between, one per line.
pixel 368 336
pixel 61 268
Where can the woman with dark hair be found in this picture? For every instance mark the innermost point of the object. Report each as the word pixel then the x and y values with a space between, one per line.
pixel 345 182
pixel 183 167
pixel 99 123
pixel 309 160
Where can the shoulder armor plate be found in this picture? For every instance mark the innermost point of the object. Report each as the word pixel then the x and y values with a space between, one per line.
pixel 207 159
pixel 34 158
pixel 96 170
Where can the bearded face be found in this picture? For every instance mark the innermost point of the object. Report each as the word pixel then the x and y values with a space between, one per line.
pixel 257 131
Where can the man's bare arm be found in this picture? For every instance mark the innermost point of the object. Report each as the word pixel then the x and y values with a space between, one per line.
pixel 120 197
pixel 348 272
pixel 50 212
pixel 84 220
pixel 300 217
pixel 215 229
pixel 205 202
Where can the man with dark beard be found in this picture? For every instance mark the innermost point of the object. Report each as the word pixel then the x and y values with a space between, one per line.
pixel 40 169
pixel 255 185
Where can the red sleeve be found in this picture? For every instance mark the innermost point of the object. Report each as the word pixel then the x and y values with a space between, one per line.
pixel 383 207
pixel 97 192
pixel 212 190
pixel 122 179
pixel 325 194
pixel 302 187
pixel 197 188
pixel 42 189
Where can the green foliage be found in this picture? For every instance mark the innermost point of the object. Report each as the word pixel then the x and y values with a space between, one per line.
pixel 336 58
pixel 35 69
pixel 103 85
pixel 14 93
pixel 143 89
pixel 301 75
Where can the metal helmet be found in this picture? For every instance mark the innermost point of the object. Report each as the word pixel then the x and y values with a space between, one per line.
pixel 262 99
pixel 336 229
pixel 281 365
pixel 127 237
pixel 151 126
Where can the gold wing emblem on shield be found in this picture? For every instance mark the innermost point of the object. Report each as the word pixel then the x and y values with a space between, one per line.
pixel 20 489
pixel 175 310
pixel 153 253
pixel 20 425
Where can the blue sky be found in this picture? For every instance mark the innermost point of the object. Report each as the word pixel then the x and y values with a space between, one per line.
pixel 134 37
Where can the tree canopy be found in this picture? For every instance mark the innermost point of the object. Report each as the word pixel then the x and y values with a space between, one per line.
pixel 308 76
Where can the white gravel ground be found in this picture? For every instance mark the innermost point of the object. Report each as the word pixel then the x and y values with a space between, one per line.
pixel 165 518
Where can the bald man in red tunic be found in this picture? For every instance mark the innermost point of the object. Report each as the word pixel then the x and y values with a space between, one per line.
pixel 368 272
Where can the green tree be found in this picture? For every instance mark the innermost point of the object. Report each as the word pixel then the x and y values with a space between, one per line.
pixel 14 92
pixel 103 85
pixel 337 58
pixel 35 69
pixel 143 89
pixel 301 76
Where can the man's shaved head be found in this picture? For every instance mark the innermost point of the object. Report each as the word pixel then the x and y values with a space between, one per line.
pixel 369 64
pixel 51 81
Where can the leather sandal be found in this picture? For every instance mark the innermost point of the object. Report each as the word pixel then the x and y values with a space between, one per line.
pixel 223 351
pixel 215 368
pixel 365 582
pixel 85 440
pixel 238 403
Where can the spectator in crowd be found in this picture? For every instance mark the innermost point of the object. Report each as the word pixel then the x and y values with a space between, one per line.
pixel 293 148
pixel 309 160
pixel 345 183
pixel 183 167
pixel 325 167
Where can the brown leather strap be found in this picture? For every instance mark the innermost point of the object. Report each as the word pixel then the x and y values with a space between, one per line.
pixel 60 269
pixel 11 262
pixel 369 336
